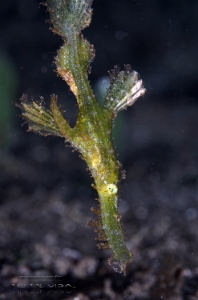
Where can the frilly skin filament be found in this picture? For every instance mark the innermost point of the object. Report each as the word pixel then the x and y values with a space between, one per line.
pixel 92 133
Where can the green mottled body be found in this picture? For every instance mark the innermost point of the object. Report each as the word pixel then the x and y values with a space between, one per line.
pixel 91 135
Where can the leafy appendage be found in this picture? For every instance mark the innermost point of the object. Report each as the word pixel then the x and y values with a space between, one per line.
pixel 65 62
pixel 38 117
pixel 69 17
pixel 43 120
pixel 125 88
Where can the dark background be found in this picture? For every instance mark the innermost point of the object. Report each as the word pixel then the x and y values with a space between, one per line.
pixel 159 39
pixel 45 193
